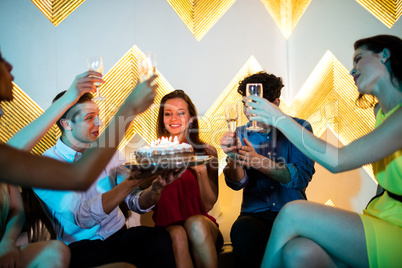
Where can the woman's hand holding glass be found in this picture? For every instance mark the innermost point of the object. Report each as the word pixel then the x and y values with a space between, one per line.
pixel 263 111
pixel 254 89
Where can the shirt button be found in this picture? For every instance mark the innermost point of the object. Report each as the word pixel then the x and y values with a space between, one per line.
pixel 272 187
pixel 273 204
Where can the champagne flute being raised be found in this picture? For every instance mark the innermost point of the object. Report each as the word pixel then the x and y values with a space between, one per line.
pixel 146 65
pixel 256 90
pixel 231 115
pixel 95 64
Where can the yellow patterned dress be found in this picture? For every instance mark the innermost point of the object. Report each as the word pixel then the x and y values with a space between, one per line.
pixel 382 219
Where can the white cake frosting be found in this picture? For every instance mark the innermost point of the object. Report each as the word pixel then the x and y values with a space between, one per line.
pixel 165 148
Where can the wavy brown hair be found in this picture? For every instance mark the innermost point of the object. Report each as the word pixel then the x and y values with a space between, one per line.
pixel 192 133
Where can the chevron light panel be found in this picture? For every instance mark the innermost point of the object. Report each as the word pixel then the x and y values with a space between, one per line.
pixel 387 11
pixel 327 100
pixel 57 10
pixel 286 13
pixel 213 123
pixel 19 113
pixel 200 15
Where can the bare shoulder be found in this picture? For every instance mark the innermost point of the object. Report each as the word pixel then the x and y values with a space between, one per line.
pixel 394 120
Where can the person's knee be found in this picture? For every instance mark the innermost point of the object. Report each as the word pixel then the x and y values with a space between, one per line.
pixel 197 228
pixel 178 234
pixel 292 211
pixel 298 251
pixel 58 253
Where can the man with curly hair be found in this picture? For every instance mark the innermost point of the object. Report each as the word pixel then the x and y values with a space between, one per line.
pixel 270 170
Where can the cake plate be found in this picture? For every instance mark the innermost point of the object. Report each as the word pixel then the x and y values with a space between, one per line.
pixel 169 164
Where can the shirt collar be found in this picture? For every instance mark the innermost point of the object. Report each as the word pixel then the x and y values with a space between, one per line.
pixel 69 154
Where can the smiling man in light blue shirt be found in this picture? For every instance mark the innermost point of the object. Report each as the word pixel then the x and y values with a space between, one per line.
pixel 91 222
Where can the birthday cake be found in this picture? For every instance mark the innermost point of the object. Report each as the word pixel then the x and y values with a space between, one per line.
pixel 164 149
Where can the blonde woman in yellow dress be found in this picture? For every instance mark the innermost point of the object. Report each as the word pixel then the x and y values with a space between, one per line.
pixel 306 234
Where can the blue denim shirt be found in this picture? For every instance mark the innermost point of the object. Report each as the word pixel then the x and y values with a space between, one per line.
pixel 262 193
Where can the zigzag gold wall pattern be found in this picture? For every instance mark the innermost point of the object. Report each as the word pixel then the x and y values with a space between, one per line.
pixel 213 123
pixel 286 13
pixel 387 11
pixel 327 100
pixel 57 10
pixel 119 82
pixel 20 112
pixel 200 15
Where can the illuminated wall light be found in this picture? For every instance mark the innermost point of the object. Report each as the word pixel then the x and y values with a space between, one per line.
pixel 387 11
pixel 286 13
pixel 327 100
pixel 329 203
pixel 213 123
pixel 19 113
pixel 200 15
pixel 119 82
pixel 57 10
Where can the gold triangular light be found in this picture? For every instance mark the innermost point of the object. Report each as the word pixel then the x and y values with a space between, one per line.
pixel 57 10
pixel 119 82
pixel 387 11
pixel 327 100
pixel 286 13
pixel 200 15
pixel 18 113
pixel 213 123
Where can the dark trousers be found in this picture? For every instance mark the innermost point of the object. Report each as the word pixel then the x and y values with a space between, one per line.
pixel 249 236
pixel 142 246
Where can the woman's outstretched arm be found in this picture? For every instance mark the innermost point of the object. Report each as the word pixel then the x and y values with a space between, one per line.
pixel 30 135
pixel 381 142
pixel 22 168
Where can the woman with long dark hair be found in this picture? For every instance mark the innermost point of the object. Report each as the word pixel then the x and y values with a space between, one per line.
pixel 182 206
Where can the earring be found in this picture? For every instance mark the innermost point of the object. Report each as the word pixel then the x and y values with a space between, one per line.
pixel 383 60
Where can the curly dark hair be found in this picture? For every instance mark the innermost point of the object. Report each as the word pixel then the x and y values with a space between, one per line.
pixel 271 85
pixel 376 44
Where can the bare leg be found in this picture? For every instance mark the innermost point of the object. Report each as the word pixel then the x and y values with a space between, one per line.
pixel 331 236
pixel 202 234
pixel 52 253
pixel 181 249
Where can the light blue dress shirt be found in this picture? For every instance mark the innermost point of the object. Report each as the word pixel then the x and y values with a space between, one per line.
pixel 79 215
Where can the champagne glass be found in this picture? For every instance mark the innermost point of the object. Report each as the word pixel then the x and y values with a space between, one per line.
pixel 95 64
pixel 231 115
pixel 256 90
pixel 146 65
